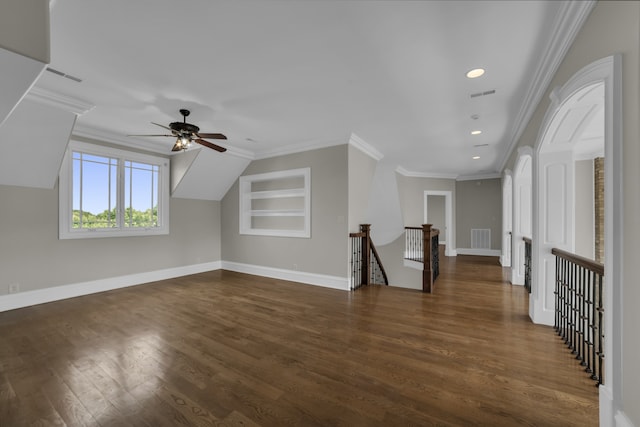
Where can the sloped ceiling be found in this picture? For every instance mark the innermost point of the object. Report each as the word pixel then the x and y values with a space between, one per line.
pixel 204 174
pixel 34 138
pixel 18 75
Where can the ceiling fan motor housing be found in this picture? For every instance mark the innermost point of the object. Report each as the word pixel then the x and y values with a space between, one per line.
pixel 182 128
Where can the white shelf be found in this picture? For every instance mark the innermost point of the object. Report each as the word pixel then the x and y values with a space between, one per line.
pixel 270 187
pixel 278 212
pixel 278 194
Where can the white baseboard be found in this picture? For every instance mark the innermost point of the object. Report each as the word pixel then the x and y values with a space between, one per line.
pixel 622 420
pixel 56 293
pixel 480 252
pixel 609 416
pixel 334 282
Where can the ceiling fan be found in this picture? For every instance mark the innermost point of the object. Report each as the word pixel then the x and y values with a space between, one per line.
pixel 186 134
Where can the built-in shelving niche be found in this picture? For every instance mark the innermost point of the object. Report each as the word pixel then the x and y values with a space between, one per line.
pixel 276 203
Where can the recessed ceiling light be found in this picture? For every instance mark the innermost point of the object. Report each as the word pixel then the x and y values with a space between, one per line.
pixel 476 72
pixel 476 157
pixel 476 132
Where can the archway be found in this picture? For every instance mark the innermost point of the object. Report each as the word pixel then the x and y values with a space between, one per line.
pixel 522 186
pixel 552 226
pixel 507 218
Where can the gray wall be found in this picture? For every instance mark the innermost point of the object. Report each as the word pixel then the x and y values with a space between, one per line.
pixel 613 27
pixel 326 251
pixel 24 28
pixel 32 255
pixel 478 205
pixel 412 197
pixel 361 170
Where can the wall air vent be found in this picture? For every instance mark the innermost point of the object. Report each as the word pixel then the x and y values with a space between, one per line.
pixel 61 74
pixel 485 93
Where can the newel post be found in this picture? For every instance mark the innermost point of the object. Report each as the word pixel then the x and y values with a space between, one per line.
pixel 366 251
pixel 427 258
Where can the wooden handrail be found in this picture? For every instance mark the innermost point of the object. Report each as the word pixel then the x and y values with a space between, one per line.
pixel 434 231
pixel 361 234
pixel 587 263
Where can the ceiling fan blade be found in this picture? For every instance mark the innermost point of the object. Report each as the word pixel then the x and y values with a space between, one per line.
pixel 163 126
pixel 151 135
pixel 211 135
pixel 211 145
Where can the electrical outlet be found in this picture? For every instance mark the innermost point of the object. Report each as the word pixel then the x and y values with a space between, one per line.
pixel 14 288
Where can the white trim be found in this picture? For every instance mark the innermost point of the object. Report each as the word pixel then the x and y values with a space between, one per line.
pixel 140 143
pixel 410 174
pixel 568 22
pixel 56 293
pixel 359 143
pixel 479 252
pixel 333 282
pixel 298 148
pixel 622 420
pixel 65 197
pixel 449 225
pixel 495 175
pixel 246 196
pixel 66 103
pixel 609 71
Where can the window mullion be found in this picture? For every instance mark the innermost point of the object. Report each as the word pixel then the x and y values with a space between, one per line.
pixel 120 193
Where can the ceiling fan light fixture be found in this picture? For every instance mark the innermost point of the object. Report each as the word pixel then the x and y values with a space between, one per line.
pixel 475 73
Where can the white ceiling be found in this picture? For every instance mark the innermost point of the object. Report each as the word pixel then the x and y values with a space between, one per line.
pixel 276 76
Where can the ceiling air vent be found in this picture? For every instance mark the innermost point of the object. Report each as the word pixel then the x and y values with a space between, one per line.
pixel 61 74
pixel 485 93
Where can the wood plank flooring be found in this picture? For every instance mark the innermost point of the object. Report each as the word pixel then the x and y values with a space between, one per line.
pixel 229 349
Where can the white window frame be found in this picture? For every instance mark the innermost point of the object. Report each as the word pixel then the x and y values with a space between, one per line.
pixel 65 186
pixel 246 196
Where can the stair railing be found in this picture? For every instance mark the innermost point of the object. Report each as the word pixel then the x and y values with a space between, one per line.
pixel 579 309
pixel 527 263
pixel 417 239
pixel 366 266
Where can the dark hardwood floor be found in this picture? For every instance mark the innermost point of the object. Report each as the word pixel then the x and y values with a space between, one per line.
pixel 224 348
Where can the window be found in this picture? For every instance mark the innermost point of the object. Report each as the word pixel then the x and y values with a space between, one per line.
pixel 276 203
pixel 107 192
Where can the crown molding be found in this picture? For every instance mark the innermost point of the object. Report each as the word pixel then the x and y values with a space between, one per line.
pixel 368 149
pixel 56 100
pixel 566 26
pixel 298 148
pixel 87 132
pixel 493 175
pixel 410 174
